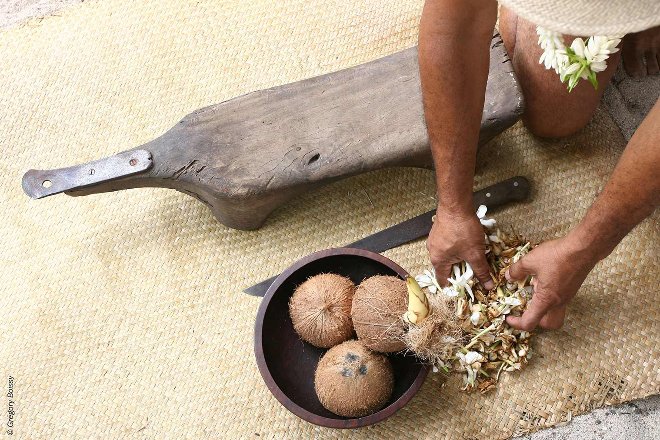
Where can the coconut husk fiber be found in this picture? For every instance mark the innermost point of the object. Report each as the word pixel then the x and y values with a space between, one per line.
pixel 123 313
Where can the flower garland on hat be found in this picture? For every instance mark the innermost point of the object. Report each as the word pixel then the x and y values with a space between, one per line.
pixel 583 59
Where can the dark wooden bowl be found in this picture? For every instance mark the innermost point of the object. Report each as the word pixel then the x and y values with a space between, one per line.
pixel 287 364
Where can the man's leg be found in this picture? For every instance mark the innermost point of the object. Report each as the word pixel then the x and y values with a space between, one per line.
pixel 550 110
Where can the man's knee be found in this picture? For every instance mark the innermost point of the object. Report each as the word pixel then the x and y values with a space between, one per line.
pixel 550 110
pixel 556 125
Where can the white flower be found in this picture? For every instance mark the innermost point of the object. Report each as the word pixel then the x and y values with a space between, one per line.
pixel 509 302
pixel 573 68
pixel 554 53
pixel 475 317
pixel 481 214
pixel 598 49
pixel 428 280
pixel 583 59
pixel 470 362
pixel 460 281
pixel 578 47
pixel 472 356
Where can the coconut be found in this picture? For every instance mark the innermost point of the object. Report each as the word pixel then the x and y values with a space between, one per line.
pixel 352 381
pixel 320 310
pixel 378 306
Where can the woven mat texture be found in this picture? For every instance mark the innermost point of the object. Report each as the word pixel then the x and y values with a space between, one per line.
pixel 123 314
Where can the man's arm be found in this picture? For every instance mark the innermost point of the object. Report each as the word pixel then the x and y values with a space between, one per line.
pixel 560 266
pixel 454 48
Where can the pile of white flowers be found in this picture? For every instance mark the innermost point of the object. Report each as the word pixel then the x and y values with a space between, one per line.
pixel 583 59
pixel 487 345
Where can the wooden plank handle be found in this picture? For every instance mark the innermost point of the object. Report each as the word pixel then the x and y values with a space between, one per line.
pixel 245 157
pixel 43 183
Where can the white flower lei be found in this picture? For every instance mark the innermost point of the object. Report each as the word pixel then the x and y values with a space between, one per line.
pixel 583 59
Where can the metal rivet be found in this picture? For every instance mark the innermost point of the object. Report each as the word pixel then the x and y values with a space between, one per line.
pixel 91 172
pixel 487 194
pixel 46 183
pixel 515 183
pixel 133 162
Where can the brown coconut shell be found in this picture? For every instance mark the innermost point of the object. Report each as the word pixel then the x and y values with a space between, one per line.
pixel 352 381
pixel 320 310
pixel 378 305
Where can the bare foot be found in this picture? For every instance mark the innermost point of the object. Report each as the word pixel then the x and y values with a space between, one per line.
pixel 641 53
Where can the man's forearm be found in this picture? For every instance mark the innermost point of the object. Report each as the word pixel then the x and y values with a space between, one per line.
pixel 631 194
pixel 454 44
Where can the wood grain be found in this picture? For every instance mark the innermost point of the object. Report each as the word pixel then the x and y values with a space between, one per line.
pixel 247 156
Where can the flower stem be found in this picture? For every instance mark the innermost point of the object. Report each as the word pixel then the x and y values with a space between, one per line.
pixel 478 335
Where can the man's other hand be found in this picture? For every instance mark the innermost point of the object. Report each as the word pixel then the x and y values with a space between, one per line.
pixel 558 268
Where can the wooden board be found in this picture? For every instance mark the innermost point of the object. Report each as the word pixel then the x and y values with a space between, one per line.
pixel 247 156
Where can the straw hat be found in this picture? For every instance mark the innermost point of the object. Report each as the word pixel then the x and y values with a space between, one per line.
pixel 589 17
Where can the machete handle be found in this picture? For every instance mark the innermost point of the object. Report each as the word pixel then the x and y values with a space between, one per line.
pixel 515 189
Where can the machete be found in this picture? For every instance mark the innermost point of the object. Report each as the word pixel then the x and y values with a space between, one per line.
pixel 515 189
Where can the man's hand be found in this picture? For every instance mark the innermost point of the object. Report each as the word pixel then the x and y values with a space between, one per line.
pixel 455 238
pixel 454 47
pixel 559 268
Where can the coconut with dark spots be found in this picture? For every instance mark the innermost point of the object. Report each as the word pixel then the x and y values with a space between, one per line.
pixel 320 310
pixel 353 381
pixel 378 307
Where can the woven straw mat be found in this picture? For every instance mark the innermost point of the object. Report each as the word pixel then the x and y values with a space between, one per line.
pixel 123 314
